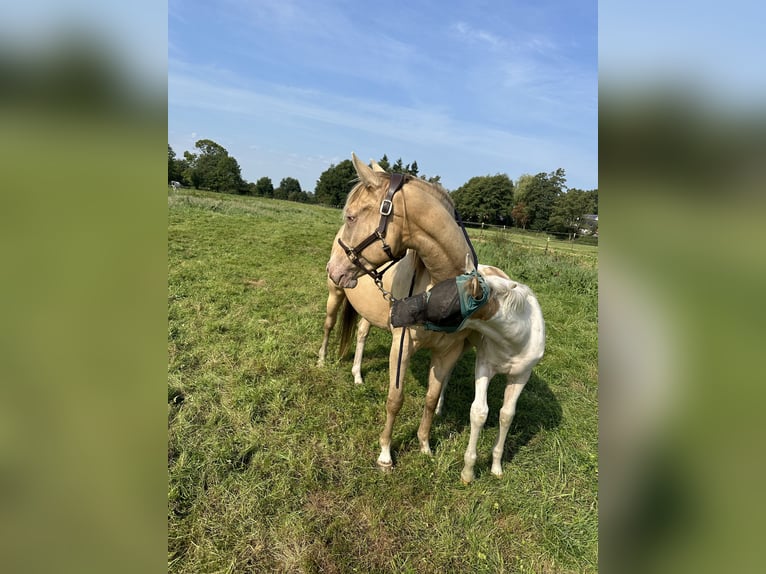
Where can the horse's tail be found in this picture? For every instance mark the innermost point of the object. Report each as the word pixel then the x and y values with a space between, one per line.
pixel 348 321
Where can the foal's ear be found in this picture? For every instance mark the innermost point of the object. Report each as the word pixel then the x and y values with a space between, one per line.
pixel 376 167
pixel 469 266
pixel 366 175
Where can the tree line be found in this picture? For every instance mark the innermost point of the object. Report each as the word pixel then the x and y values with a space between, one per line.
pixel 540 202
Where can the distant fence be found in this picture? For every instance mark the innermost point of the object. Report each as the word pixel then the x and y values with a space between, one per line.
pixel 582 246
pixel 554 234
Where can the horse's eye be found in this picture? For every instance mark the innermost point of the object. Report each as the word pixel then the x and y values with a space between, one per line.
pixel 350 218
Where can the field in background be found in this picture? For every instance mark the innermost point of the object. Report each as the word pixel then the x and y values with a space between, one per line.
pixel 271 460
pixel 537 240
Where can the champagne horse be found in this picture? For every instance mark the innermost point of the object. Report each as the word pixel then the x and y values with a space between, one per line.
pixel 416 226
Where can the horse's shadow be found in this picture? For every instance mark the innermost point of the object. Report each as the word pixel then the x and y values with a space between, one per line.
pixel 536 409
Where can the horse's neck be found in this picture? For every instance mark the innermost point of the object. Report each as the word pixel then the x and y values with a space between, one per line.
pixel 437 239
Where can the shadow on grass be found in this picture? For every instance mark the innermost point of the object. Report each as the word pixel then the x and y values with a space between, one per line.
pixel 537 408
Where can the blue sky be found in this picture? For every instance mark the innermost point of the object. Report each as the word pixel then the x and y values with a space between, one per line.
pixel 289 87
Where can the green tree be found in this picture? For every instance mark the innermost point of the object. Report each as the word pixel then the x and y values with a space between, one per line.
pixel 569 209
pixel 190 173
pixel 213 168
pixel 172 175
pixel 287 186
pixel 335 183
pixel 264 187
pixel 176 167
pixel 485 199
pixel 539 194
pixel 593 194
pixel 299 196
pixel 384 163
pixel 520 215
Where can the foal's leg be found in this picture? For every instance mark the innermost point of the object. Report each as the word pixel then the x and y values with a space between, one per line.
pixel 512 391
pixel 335 299
pixel 362 330
pixel 441 367
pixel 479 412
pixel 395 396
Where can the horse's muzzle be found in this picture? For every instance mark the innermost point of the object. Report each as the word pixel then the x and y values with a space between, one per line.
pixel 342 277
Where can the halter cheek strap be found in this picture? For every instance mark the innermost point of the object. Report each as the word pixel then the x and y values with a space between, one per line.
pixel 386 210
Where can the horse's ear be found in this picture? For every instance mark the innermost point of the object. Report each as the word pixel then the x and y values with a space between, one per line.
pixel 366 175
pixel 469 266
pixel 376 167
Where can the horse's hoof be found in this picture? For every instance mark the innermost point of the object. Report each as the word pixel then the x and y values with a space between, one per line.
pixel 385 467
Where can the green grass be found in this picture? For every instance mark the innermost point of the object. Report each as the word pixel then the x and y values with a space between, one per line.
pixel 271 460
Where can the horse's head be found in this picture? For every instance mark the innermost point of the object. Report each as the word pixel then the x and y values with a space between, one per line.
pixel 371 234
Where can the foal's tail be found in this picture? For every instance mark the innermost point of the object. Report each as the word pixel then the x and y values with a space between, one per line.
pixel 348 321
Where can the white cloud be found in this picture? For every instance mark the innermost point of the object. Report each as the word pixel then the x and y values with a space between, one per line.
pixel 293 113
pixel 468 33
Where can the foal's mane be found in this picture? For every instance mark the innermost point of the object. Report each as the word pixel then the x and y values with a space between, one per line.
pixel 433 189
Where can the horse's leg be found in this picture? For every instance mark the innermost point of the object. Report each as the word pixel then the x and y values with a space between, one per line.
pixel 335 299
pixel 395 395
pixel 440 404
pixel 479 411
pixel 439 372
pixel 361 337
pixel 512 391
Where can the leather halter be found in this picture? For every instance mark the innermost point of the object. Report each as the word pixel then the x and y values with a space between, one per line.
pixel 386 211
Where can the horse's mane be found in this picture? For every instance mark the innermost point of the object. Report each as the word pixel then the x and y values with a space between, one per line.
pixel 434 189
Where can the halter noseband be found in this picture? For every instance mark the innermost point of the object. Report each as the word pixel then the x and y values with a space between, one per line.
pixel 386 209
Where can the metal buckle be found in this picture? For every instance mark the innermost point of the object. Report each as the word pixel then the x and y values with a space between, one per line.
pixel 385 207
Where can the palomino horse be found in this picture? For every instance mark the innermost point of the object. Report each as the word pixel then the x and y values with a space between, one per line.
pixel 418 216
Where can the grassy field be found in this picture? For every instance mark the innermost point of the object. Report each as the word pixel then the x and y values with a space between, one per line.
pixel 271 459
pixel 539 240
